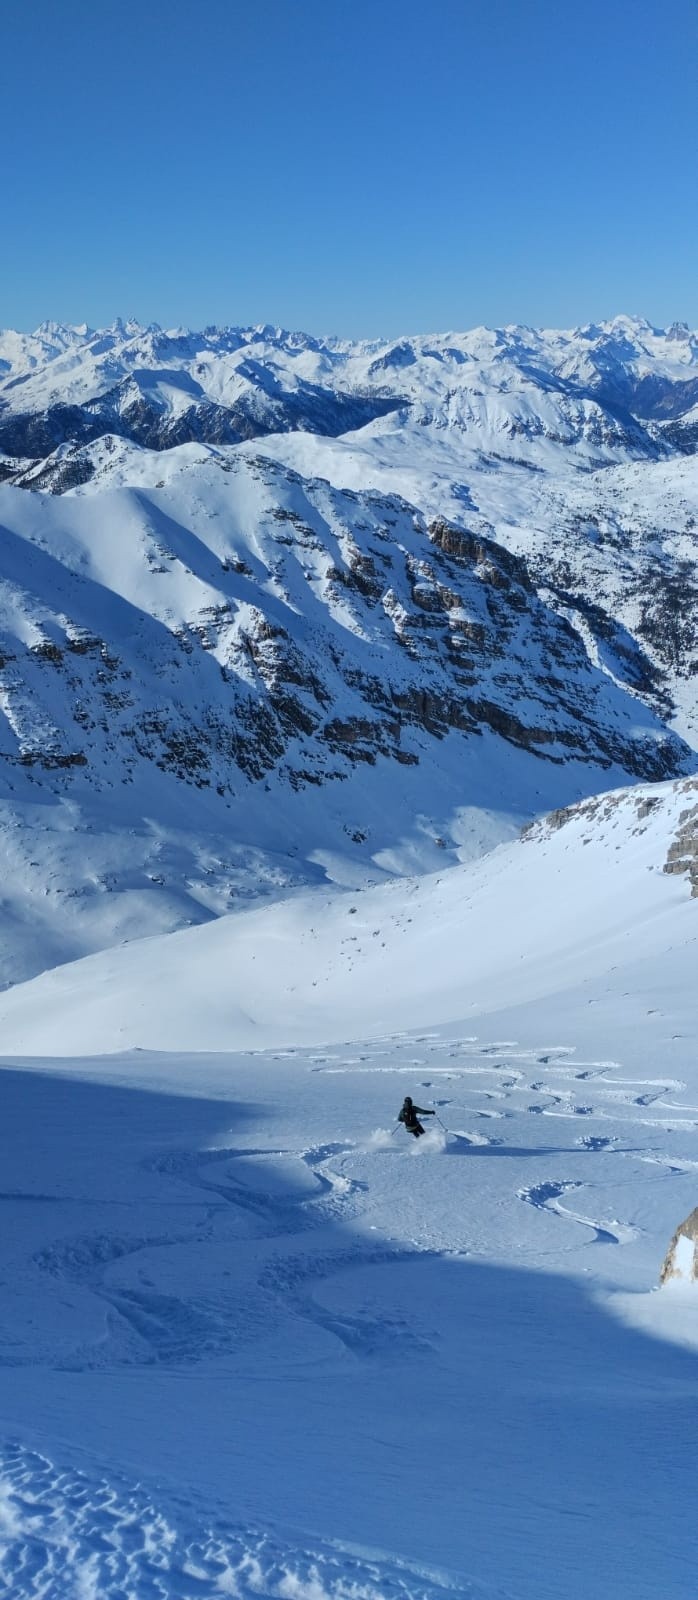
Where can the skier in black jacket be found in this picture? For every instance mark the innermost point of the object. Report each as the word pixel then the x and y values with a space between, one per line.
pixel 410 1115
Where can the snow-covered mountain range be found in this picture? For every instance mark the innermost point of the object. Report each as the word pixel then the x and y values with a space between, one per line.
pixel 619 386
pixel 276 610
pixel 389 650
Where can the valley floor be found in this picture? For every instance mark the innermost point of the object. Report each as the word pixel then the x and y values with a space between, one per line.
pixel 256 1341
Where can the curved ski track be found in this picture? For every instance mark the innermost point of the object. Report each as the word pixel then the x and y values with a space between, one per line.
pixel 120 1540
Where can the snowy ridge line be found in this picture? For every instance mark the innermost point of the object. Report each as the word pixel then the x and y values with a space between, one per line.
pixel 621 383
pixel 277 612
pixel 120 1542
pixel 237 681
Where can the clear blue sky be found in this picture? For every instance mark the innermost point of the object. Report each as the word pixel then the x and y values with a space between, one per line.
pixel 349 166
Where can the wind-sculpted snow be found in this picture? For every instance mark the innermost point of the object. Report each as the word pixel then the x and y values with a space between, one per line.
pixel 117 1542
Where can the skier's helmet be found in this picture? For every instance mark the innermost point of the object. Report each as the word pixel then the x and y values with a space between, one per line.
pixel 408 1099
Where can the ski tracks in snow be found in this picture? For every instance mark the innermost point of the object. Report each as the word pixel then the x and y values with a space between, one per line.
pixel 502 1072
pixel 271 1204
pixel 169 1296
pixel 498 1082
pixel 548 1196
pixel 296 1220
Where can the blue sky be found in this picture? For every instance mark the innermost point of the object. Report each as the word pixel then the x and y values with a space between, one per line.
pixel 350 166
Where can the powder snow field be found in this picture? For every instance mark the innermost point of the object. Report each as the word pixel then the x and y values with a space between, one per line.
pixel 256 1342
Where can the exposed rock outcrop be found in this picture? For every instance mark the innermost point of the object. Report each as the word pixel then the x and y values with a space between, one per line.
pixel 326 630
pixel 683 853
pixel 641 808
pixel 681 1260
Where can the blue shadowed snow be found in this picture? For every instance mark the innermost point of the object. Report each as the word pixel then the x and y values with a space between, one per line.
pixel 227 1335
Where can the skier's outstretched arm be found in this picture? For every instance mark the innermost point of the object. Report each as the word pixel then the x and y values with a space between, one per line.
pixel 423 1111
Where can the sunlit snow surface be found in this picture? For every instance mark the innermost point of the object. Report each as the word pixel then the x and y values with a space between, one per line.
pixel 141 576
pixel 256 1340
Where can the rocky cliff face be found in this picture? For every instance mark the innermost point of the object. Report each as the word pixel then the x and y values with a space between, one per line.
pixel 265 621
pixel 683 851
pixel 570 448
pixel 298 609
pixel 617 554
pixel 135 413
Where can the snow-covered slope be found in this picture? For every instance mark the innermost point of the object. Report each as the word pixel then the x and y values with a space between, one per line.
pixel 583 892
pixel 228 679
pixel 388 603
pixel 256 1341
